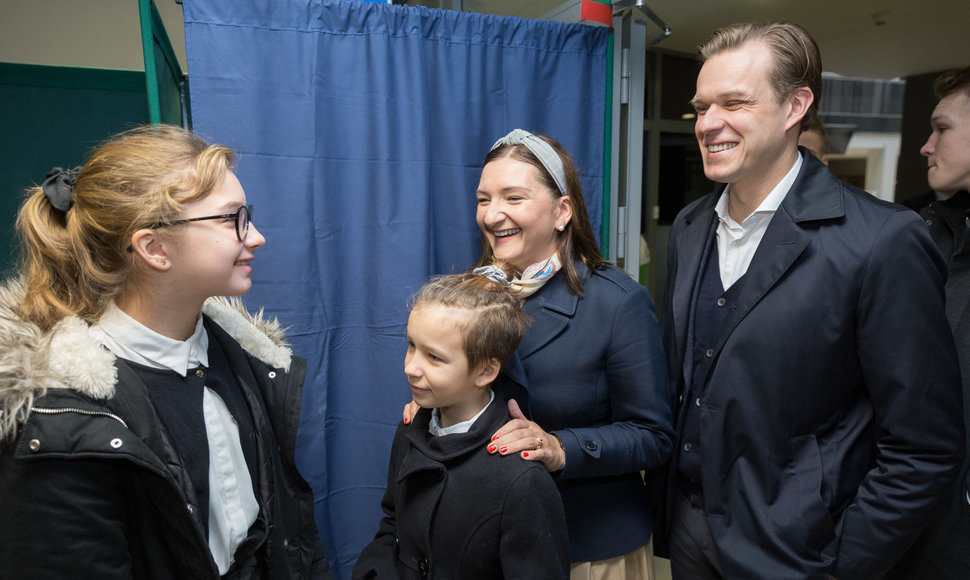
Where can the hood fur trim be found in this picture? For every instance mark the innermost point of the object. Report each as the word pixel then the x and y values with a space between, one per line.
pixel 32 361
pixel 259 336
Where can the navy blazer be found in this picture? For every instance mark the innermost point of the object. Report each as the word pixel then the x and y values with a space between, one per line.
pixel 591 370
pixel 830 419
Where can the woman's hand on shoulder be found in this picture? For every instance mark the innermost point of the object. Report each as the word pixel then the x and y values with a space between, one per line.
pixel 529 440
pixel 410 410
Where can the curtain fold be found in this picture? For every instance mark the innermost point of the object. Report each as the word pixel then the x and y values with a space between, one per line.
pixel 361 129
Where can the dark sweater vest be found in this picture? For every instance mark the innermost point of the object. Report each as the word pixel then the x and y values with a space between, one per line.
pixel 710 306
pixel 178 402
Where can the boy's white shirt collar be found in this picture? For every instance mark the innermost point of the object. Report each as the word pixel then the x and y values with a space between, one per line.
pixel 131 340
pixel 462 427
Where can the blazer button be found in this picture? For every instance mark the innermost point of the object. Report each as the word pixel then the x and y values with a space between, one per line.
pixel 721 301
pixel 591 445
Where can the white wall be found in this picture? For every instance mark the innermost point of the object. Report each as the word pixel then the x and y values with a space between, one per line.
pixel 881 152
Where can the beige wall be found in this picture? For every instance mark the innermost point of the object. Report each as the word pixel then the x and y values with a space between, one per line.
pixel 85 33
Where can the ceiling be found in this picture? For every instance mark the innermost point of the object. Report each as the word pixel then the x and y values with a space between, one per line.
pixel 915 37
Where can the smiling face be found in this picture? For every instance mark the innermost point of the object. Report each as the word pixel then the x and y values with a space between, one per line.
pixel 206 256
pixel 948 148
pixel 746 134
pixel 436 364
pixel 518 215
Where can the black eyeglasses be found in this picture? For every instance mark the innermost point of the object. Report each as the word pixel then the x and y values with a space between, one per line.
pixel 243 216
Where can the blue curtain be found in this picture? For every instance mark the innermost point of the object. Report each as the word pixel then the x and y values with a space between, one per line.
pixel 361 128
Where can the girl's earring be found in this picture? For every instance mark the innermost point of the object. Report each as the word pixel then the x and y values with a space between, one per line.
pixel 560 228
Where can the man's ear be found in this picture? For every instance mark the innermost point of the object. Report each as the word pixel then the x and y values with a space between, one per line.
pixel 148 248
pixel 799 102
pixel 488 373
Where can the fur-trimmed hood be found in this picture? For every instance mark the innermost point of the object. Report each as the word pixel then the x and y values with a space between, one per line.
pixel 32 361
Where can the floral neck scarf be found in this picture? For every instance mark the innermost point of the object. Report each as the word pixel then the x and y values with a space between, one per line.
pixel 536 275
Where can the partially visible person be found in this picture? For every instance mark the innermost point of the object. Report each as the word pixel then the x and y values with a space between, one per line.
pixel 942 552
pixel 919 202
pixel 594 404
pixel 817 388
pixel 453 510
pixel 813 139
pixel 147 427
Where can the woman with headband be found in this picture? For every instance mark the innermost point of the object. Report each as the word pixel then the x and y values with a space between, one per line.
pixel 590 369
pixel 147 429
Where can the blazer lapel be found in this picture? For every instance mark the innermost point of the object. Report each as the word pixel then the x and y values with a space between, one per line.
pixel 550 308
pixel 690 249
pixel 815 195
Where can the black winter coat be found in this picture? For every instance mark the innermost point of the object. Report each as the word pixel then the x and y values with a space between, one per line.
pixel 941 552
pixel 90 486
pixel 456 511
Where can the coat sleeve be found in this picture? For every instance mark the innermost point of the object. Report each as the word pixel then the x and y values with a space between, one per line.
pixel 378 559
pixel 909 367
pixel 639 435
pixel 534 543
pixel 62 519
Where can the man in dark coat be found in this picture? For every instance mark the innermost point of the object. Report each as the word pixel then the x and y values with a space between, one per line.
pixel 942 552
pixel 818 393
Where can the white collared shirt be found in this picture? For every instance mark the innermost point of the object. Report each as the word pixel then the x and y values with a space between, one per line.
pixel 232 502
pixel 462 427
pixel 737 243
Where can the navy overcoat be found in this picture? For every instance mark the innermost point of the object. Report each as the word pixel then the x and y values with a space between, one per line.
pixel 830 419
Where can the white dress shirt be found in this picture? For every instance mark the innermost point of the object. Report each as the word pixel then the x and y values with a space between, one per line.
pixel 737 243
pixel 462 427
pixel 232 502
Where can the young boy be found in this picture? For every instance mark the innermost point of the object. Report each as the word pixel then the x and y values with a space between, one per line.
pixel 452 509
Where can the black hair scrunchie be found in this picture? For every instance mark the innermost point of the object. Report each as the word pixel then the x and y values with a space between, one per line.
pixel 59 187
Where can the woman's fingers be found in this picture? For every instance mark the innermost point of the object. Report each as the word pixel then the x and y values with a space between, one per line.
pixel 549 457
pixel 518 435
pixel 514 411
pixel 513 427
pixel 410 410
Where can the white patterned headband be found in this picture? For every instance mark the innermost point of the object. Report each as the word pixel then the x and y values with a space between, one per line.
pixel 543 152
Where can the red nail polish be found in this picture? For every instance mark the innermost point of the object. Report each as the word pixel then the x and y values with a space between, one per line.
pixel 525 454
pixel 407 421
pixel 491 448
pixel 494 437
pixel 503 450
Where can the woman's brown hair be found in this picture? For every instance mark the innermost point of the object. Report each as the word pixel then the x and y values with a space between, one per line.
pixel 577 241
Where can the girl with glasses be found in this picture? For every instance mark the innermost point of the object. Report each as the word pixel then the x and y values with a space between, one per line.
pixel 147 424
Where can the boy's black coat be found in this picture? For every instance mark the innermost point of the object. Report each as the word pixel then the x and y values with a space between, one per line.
pixel 455 511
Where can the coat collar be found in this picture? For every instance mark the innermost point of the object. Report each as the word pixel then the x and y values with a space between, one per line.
pixel 428 452
pixel 550 308
pixel 815 195
pixel 65 357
